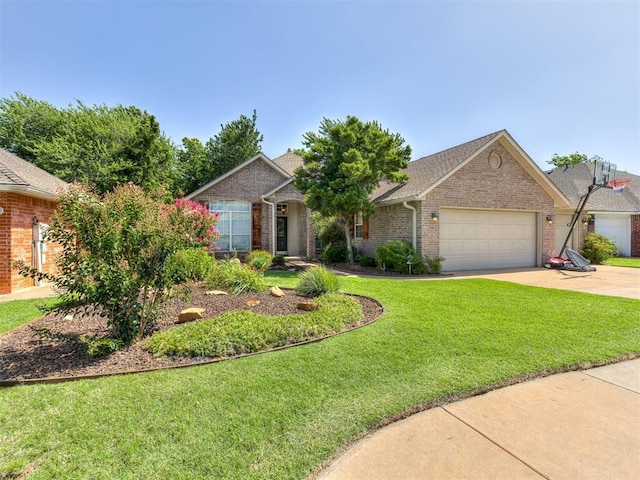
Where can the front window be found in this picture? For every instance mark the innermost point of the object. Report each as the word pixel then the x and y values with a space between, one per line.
pixel 234 224
pixel 357 225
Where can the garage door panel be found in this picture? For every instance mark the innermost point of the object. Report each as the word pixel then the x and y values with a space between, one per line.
pixel 471 239
pixel 616 228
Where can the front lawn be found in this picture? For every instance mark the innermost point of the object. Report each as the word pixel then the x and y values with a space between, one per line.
pixel 281 414
pixel 633 262
pixel 19 312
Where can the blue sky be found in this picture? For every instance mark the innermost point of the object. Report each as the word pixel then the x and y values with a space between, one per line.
pixel 560 76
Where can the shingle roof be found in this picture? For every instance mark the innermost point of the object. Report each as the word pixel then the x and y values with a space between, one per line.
pixel 574 182
pixel 426 171
pixel 17 174
pixel 288 162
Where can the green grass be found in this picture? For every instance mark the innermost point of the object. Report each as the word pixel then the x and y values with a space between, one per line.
pixel 17 312
pixel 281 414
pixel 240 332
pixel 633 262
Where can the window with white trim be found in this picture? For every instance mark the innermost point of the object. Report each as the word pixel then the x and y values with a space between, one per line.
pixel 358 221
pixel 234 224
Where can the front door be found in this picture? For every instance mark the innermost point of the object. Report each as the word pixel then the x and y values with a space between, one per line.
pixel 281 234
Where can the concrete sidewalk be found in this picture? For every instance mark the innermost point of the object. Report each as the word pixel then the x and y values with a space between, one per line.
pixel 43 291
pixel 577 425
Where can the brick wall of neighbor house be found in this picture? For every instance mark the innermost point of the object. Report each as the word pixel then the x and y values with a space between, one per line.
pixel 635 235
pixel 16 237
pixel 477 185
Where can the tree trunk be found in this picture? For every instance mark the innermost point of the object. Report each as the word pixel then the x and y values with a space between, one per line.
pixel 347 234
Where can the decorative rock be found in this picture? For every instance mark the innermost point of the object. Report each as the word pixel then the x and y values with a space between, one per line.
pixel 253 303
pixel 215 292
pixel 308 306
pixel 69 317
pixel 190 314
pixel 276 292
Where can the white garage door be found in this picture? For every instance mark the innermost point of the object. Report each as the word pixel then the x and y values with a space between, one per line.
pixel 476 239
pixel 616 228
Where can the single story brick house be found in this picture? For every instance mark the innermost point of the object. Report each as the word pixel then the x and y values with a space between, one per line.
pixel 482 204
pixel 253 198
pixel 28 198
pixel 614 215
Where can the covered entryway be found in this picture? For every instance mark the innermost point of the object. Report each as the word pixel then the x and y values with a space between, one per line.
pixel 478 239
pixel 616 228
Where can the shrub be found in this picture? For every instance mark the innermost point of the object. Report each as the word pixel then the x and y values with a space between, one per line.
pixel 259 260
pixel 236 277
pixel 598 248
pixel 278 260
pixel 189 264
pixel 394 256
pixel 115 251
pixel 316 281
pixel 333 253
pixel 328 229
pixel 365 261
pixel 434 264
pixel 244 331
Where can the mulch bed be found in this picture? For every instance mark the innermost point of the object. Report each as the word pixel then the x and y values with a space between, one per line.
pixel 26 355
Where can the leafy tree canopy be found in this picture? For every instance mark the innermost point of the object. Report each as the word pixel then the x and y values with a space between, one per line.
pixel 100 145
pixel 572 159
pixel 236 142
pixel 344 162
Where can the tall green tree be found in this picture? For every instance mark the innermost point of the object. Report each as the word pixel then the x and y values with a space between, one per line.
pixel 343 163
pixel 101 145
pixel 194 165
pixel 198 164
pixel 237 141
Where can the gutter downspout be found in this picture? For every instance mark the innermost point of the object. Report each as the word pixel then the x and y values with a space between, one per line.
pixel 273 224
pixel 414 234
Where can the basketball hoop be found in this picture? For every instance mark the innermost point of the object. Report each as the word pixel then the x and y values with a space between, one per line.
pixel 617 185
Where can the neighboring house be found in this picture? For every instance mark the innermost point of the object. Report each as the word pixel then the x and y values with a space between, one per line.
pixel 482 204
pixel 614 215
pixel 28 198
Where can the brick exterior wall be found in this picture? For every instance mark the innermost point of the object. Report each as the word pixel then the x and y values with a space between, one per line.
pixel 476 185
pixel 635 235
pixel 249 184
pixel 16 237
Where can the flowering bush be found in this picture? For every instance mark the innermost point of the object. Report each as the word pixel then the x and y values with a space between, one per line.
pixel 195 221
pixel 115 251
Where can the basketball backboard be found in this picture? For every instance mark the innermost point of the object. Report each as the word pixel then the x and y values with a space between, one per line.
pixel 604 172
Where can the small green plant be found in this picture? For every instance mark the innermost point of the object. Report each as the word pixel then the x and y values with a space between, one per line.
pixel 101 346
pixel 278 260
pixel 598 248
pixel 189 264
pixel 236 277
pixel 333 253
pixel 365 260
pixel 316 281
pixel 395 256
pixel 259 260
pixel 434 265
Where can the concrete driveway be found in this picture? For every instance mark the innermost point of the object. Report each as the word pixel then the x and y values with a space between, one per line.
pixel 606 280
